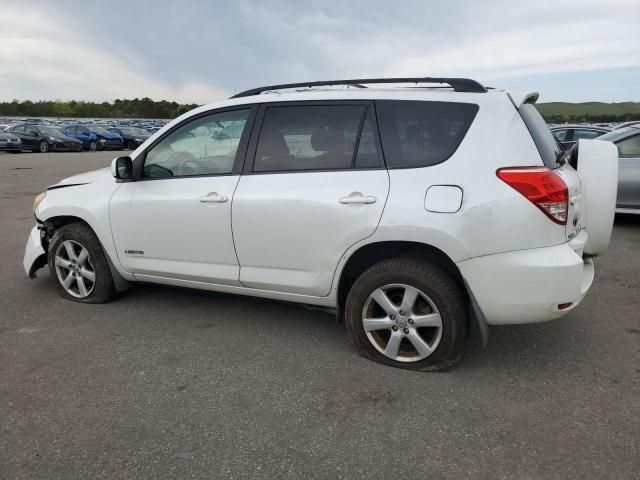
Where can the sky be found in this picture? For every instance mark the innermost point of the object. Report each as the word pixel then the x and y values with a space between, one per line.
pixel 201 51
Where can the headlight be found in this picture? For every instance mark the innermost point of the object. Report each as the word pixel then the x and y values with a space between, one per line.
pixel 38 200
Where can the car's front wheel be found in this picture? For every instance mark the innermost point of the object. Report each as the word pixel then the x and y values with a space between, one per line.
pixel 80 266
pixel 408 313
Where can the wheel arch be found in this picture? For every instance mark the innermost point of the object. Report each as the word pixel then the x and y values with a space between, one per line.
pixel 372 253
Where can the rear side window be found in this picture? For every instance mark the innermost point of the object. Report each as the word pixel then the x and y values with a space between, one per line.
pixel 308 137
pixel 420 134
pixel 542 137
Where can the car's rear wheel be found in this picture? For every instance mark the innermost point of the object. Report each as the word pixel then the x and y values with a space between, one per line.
pixel 93 146
pixel 80 266
pixel 44 146
pixel 408 313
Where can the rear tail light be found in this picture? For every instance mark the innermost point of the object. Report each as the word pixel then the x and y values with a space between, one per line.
pixel 542 187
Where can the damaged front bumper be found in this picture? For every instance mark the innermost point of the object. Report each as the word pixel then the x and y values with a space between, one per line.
pixel 35 256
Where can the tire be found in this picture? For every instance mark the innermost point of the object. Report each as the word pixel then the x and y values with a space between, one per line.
pixel 131 145
pixel 93 146
pixel 44 147
pixel 79 236
pixel 16 151
pixel 438 299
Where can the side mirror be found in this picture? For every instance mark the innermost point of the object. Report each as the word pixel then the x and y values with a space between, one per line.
pixel 122 168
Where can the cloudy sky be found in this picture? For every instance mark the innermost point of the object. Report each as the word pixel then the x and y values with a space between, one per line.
pixel 200 51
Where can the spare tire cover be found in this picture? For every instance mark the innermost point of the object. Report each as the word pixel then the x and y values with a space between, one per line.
pixel 598 170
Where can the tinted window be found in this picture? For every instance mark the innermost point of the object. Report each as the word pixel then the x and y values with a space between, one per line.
pixel 205 146
pixel 560 135
pixel 420 134
pixel 368 156
pixel 586 134
pixel 308 137
pixel 629 147
pixel 545 142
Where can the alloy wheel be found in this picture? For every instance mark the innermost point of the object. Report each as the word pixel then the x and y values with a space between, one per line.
pixel 74 269
pixel 402 322
pixel 44 147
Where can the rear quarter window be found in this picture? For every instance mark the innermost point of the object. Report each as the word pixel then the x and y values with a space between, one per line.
pixel 421 133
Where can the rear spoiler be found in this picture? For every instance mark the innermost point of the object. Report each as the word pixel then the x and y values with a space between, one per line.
pixel 520 98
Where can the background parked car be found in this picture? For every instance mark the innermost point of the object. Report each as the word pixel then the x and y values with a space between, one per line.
pixel 133 137
pixel 635 123
pixel 568 135
pixel 107 140
pixel 87 137
pixel 627 140
pixel 42 138
pixel 10 143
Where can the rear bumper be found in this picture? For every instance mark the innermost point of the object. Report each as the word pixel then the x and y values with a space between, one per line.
pixel 527 286
pixel 34 255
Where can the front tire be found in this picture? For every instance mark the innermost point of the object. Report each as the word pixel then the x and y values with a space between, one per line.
pixel 79 265
pixel 408 313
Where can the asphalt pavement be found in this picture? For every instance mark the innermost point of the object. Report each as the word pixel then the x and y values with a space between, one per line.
pixel 174 383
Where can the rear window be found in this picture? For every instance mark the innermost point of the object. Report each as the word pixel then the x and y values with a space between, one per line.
pixel 542 136
pixel 420 134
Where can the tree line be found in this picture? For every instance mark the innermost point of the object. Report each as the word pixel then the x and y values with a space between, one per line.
pixel 136 108
pixel 555 112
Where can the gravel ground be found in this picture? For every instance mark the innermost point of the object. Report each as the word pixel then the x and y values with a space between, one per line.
pixel 173 383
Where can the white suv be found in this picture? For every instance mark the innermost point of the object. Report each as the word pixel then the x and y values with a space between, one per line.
pixel 411 210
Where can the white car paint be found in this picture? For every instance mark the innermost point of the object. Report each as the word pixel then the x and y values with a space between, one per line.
pixel 288 236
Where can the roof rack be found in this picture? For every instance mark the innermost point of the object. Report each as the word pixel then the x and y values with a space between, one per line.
pixel 458 84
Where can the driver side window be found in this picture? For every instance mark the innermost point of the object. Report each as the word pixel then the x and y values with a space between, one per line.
pixel 205 146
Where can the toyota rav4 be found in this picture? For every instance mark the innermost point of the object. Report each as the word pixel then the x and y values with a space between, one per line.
pixel 410 210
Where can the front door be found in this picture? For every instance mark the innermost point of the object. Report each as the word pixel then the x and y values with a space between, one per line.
pixel 314 185
pixel 175 221
pixel 629 173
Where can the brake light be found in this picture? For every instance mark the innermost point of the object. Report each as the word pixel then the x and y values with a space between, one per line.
pixel 542 187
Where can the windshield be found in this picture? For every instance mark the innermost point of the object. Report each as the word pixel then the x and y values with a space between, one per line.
pixel 134 131
pixel 101 130
pixel 549 149
pixel 51 131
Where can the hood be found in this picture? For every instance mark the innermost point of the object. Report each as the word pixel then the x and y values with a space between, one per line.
pixel 84 178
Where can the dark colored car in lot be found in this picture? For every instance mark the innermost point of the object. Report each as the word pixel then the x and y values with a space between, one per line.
pixel 43 138
pixel 627 140
pixel 10 143
pixel 133 137
pixel 568 135
pixel 107 140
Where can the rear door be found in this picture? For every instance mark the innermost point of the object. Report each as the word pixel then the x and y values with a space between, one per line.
pixel 314 184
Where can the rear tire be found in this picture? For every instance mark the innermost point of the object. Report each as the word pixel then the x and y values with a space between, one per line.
pixel 79 265
pixel 93 146
pixel 430 334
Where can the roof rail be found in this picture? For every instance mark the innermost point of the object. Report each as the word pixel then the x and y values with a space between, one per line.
pixel 458 84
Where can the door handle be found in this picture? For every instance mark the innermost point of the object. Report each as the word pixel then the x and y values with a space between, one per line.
pixel 213 197
pixel 357 197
